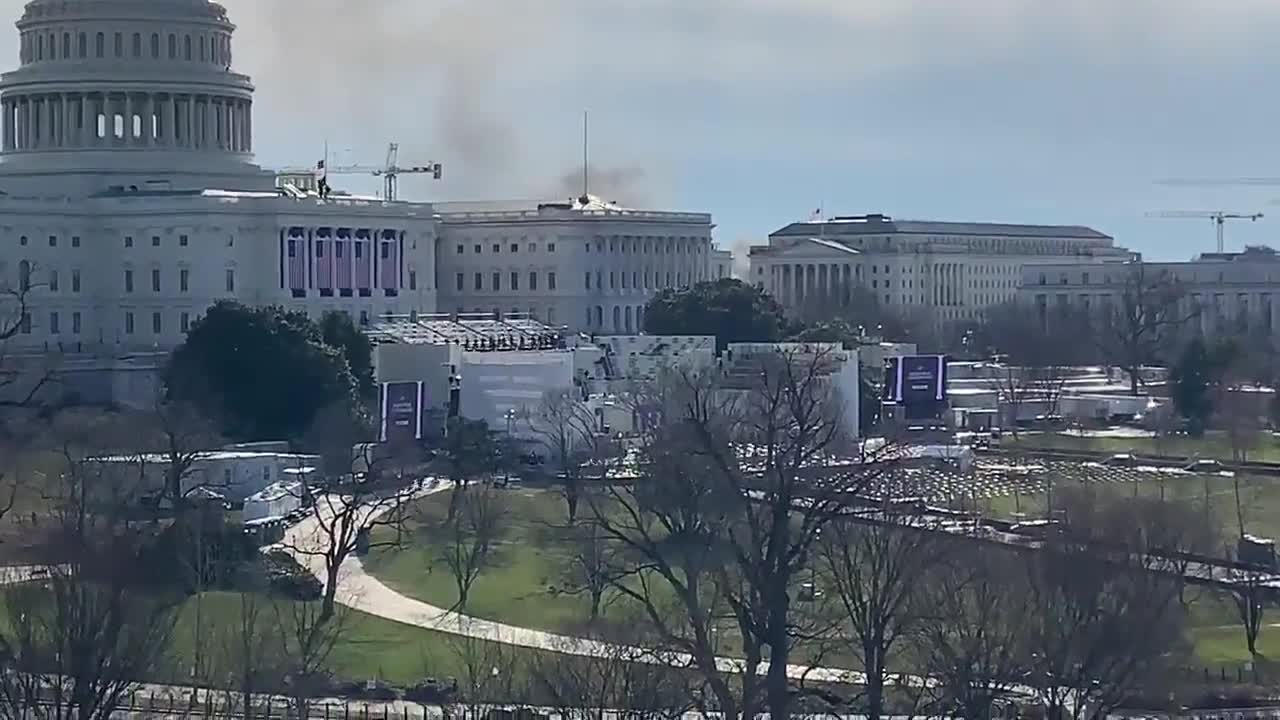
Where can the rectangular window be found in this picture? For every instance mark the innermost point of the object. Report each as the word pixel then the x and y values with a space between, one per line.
pixel 551 281
pixel 54 327
pixel 624 281
pixel 497 248
pixel 587 277
pixel 155 323
pixel 184 279
pixel 231 280
pixel 515 247
pixel 533 281
pixel 384 250
pixel 75 281
pixel 413 280
pixel 128 281
pixel 53 241
pixel 25 323
pixel 128 241
pixel 184 322
pixel 479 284
pixel 75 323
pixel 155 241
pixel 497 281
pixel 613 280
pixel 128 323
pixel 551 247
pixel 460 249
pixel 155 280
pixel 515 280
pixel 75 241
pixel 459 282
pixel 53 281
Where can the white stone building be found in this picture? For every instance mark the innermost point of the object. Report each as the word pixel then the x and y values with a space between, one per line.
pixel 950 269
pixel 130 201
pixel 588 266
pixel 1229 293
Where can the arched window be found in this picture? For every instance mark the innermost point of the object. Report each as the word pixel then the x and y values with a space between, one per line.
pixel 627 314
pixel 66 46
pixel 137 45
pixel 83 41
pixel 24 276
pixel 173 46
pixel 100 44
pixel 39 47
pixel 155 45
pixel 617 318
pixel 186 47
pixel 119 43
pixel 204 48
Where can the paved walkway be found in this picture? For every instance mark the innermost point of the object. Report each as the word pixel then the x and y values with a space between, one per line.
pixel 359 590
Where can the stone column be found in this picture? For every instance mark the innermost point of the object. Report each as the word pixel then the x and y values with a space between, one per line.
pixel 188 139
pixel 64 117
pixel 209 137
pixel 88 121
pixel 171 121
pixel 148 123
pixel 128 119
pixel 8 124
pixel 248 126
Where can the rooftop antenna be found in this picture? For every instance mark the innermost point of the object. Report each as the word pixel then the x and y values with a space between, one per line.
pixel 585 172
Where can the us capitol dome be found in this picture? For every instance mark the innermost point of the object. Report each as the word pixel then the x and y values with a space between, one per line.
pixel 130 202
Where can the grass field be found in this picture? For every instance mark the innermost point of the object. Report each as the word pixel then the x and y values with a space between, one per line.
pixel 519 588
pixel 368 647
pixel 523 584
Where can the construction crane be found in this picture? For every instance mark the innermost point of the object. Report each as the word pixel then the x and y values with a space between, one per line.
pixel 390 172
pixel 1218 217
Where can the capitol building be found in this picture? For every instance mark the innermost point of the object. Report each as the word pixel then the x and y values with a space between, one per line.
pixel 130 202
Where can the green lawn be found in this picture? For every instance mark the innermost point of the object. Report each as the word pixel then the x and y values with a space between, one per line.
pixel 368 647
pixel 522 585
pixel 519 588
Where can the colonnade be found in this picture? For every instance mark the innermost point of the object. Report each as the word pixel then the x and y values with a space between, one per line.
pixel 87 120
pixel 798 283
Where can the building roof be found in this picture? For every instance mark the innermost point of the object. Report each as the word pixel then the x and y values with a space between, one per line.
pixel 883 224
pixel 472 331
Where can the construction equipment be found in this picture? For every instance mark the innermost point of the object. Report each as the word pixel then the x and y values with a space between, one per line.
pixel 390 172
pixel 1218 217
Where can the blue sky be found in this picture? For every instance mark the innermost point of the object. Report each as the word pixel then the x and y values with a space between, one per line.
pixel 759 111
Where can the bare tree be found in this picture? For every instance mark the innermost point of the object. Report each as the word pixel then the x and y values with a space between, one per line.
pixel 732 501
pixel 1134 328
pixel 1239 413
pixel 591 567
pixel 877 572
pixel 184 437
pixel 22 379
pixel 624 677
pixel 466 541
pixel 1104 607
pixel 249 648
pixel 361 487
pixel 307 635
pixel 491 671
pixel 565 426
pixel 973 639
pixel 1249 595
pixel 86 631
